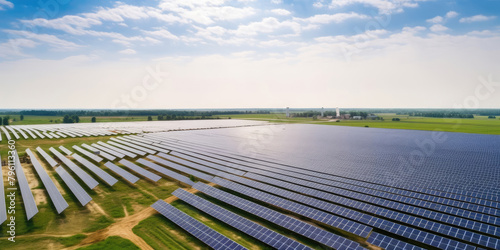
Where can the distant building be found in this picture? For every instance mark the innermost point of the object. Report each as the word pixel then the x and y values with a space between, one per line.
pixel 287 112
pixel 345 116
pixel 322 112
pixel 357 117
pixel 371 116
pixel 338 112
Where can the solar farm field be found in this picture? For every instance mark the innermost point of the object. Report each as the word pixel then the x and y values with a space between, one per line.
pixel 240 184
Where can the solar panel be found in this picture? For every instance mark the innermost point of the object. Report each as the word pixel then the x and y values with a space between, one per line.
pixel 317 215
pixel 132 140
pixel 47 135
pixel 181 168
pixel 21 132
pixel 249 227
pixel 88 154
pixel 3 208
pixel 13 132
pixel 141 171
pixel 86 178
pixel 107 150
pixel 96 170
pixel 29 132
pixel 80 193
pixel 121 172
pixel 199 230
pixel 47 157
pixel 201 166
pixel 128 144
pixel 119 150
pixel 390 243
pixel 54 135
pixel 61 135
pixel 7 135
pixel 133 150
pixel 166 172
pixel 28 199
pixel 295 225
pixel 65 150
pixel 101 153
pixel 55 195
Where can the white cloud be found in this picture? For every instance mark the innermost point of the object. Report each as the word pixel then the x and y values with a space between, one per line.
pixel 246 53
pixel 451 14
pixel 438 28
pixel 281 12
pixel 6 3
pixel 437 19
pixel 128 52
pixel 384 6
pixel 51 40
pixel 162 33
pixel 476 18
pixel 13 47
pixel 335 18
pixel 277 1
pixel 267 25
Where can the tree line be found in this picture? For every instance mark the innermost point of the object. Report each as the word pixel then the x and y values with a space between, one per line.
pixel 177 113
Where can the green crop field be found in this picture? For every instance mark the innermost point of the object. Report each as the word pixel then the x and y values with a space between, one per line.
pixel 32 119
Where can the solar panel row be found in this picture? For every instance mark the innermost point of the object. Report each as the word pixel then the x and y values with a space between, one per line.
pixel 249 227
pixel 80 193
pixel 84 176
pixel 315 233
pixel 110 180
pixel 47 157
pixel 107 150
pixel 180 168
pixel 28 199
pixel 119 150
pixel 389 243
pixel 195 165
pixel 129 144
pixel 65 150
pixel 317 215
pixel 141 171
pixel 3 208
pixel 55 195
pixel 130 149
pixel 121 172
pixel 88 154
pixel 166 172
pixel 101 153
pixel 199 230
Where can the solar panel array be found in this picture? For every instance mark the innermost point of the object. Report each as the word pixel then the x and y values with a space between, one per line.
pixel 88 154
pixel 47 157
pixel 107 150
pixel 101 153
pixel 166 172
pixel 181 168
pixel 130 149
pixel 65 150
pixel 249 227
pixel 3 208
pixel 131 145
pixel 199 230
pixel 110 180
pixel 121 172
pixel 315 214
pixel 305 229
pixel 57 199
pixel 119 150
pixel 423 218
pixel 80 193
pixel 141 171
pixel 86 178
pixel 28 199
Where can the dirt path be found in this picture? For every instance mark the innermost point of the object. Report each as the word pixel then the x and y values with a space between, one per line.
pixel 123 227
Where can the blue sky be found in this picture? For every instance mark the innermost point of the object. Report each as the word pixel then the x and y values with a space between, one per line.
pixel 244 53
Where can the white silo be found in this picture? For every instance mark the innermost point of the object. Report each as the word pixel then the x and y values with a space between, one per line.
pixel 338 112
pixel 287 112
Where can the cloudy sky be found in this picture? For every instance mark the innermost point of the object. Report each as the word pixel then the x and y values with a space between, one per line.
pixel 250 54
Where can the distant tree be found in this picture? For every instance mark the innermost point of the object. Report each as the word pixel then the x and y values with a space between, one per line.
pixel 21 117
pixel 13 119
pixel 75 119
pixel 6 120
pixel 150 118
pixel 93 119
pixel 396 119
pixel 51 120
pixel 67 119
pixel 492 117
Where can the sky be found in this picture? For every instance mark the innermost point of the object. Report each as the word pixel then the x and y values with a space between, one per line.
pixel 183 54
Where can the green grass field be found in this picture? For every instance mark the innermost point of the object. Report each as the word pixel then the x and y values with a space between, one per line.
pixel 31 119
pixel 477 125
